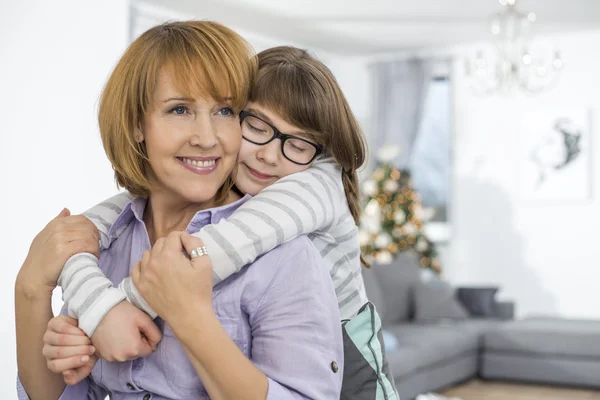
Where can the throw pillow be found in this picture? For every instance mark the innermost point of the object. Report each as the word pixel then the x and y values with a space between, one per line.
pixel 367 374
pixel 397 281
pixel 478 300
pixel 435 300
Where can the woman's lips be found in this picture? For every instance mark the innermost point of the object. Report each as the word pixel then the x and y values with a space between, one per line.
pixel 259 175
pixel 199 165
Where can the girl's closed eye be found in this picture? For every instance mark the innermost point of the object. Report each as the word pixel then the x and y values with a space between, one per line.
pixel 255 128
pixel 298 147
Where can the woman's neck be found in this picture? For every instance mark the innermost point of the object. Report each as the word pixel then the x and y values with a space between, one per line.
pixel 164 215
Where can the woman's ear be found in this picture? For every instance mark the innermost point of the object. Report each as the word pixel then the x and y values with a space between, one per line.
pixel 139 135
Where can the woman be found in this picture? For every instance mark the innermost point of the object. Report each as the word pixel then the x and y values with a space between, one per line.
pixel 273 330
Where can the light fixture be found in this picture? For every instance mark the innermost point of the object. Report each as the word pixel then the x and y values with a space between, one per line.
pixel 514 60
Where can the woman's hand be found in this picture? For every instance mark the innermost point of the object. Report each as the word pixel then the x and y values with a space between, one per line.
pixel 63 237
pixel 172 284
pixel 68 351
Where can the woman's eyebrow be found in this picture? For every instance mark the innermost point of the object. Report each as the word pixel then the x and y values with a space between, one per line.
pixel 186 99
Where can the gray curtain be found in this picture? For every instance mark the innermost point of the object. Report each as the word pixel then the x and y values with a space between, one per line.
pixel 399 91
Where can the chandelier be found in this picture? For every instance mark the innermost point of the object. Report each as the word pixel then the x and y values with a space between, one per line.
pixel 514 60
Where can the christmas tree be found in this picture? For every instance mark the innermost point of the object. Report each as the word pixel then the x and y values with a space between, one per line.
pixel 393 218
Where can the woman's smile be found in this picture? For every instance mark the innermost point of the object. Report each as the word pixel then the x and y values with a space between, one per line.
pixel 199 165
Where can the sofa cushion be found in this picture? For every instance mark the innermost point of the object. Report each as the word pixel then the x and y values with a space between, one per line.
pixel 547 337
pixel 480 326
pixel 397 281
pixel 422 346
pixel 435 299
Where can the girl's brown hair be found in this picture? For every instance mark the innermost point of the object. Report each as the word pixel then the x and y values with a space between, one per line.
pixel 205 58
pixel 305 93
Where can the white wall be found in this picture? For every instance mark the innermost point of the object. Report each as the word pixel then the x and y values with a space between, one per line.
pixel 54 60
pixel 544 255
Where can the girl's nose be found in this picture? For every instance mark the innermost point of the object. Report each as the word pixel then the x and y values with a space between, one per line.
pixel 270 153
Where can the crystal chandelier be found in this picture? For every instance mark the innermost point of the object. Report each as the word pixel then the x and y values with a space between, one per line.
pixel 514 60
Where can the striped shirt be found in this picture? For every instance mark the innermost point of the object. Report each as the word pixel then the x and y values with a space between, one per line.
pixel 312 202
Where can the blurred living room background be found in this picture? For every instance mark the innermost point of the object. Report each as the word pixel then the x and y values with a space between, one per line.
pixel 480 193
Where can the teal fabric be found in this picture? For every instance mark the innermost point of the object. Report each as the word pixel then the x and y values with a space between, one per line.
pixel 366 371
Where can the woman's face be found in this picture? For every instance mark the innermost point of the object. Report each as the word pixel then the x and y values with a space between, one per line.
pixel 192 144
pixel 262 165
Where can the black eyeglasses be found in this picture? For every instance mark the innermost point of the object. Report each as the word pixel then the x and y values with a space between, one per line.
pixel 296 149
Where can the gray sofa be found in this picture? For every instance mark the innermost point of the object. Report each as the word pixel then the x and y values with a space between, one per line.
pixel 437 342
pixel 431 350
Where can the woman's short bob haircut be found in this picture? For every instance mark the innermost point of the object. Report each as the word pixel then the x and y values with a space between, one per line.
pixel 206 59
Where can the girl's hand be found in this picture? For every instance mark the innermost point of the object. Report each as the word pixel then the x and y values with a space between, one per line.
pixel 63 237
pixel 125 333
pixel 68 350
pixel 172 284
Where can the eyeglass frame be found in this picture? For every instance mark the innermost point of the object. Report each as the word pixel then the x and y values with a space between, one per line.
pixel 277 134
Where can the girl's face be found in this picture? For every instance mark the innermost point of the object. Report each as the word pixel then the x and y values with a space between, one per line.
pixel 262 165
pixel 192 144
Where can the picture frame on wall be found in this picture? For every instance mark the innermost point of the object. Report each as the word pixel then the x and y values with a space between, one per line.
pixel 555 155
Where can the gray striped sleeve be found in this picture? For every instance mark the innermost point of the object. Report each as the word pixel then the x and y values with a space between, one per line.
pixel 286 209
pixel 335 179
pixel 84 280
pixel 296 197
pixel 131 294
pixel 225 244
pixel 330 196
pixel 267 220
pixel 348 299
pixel 327 249
pixel 346 281
pixel 312 191
pixel 135 297
pixel 343 259
pixel 111 206
pixel 348 219
pixel 256 240
pixel 92 297
pixel 77 264
pixel 346 236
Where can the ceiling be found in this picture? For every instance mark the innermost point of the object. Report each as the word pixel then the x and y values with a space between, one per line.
pixel 360 27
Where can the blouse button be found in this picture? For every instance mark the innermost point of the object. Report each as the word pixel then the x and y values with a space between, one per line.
pixel 130 386
pixel 148 396
pixel 334 367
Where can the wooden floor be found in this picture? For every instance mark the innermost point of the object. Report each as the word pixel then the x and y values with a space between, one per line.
pixel 478 390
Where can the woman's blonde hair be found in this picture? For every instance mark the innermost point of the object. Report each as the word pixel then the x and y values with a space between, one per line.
pixel 306 94
pixel 206 58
